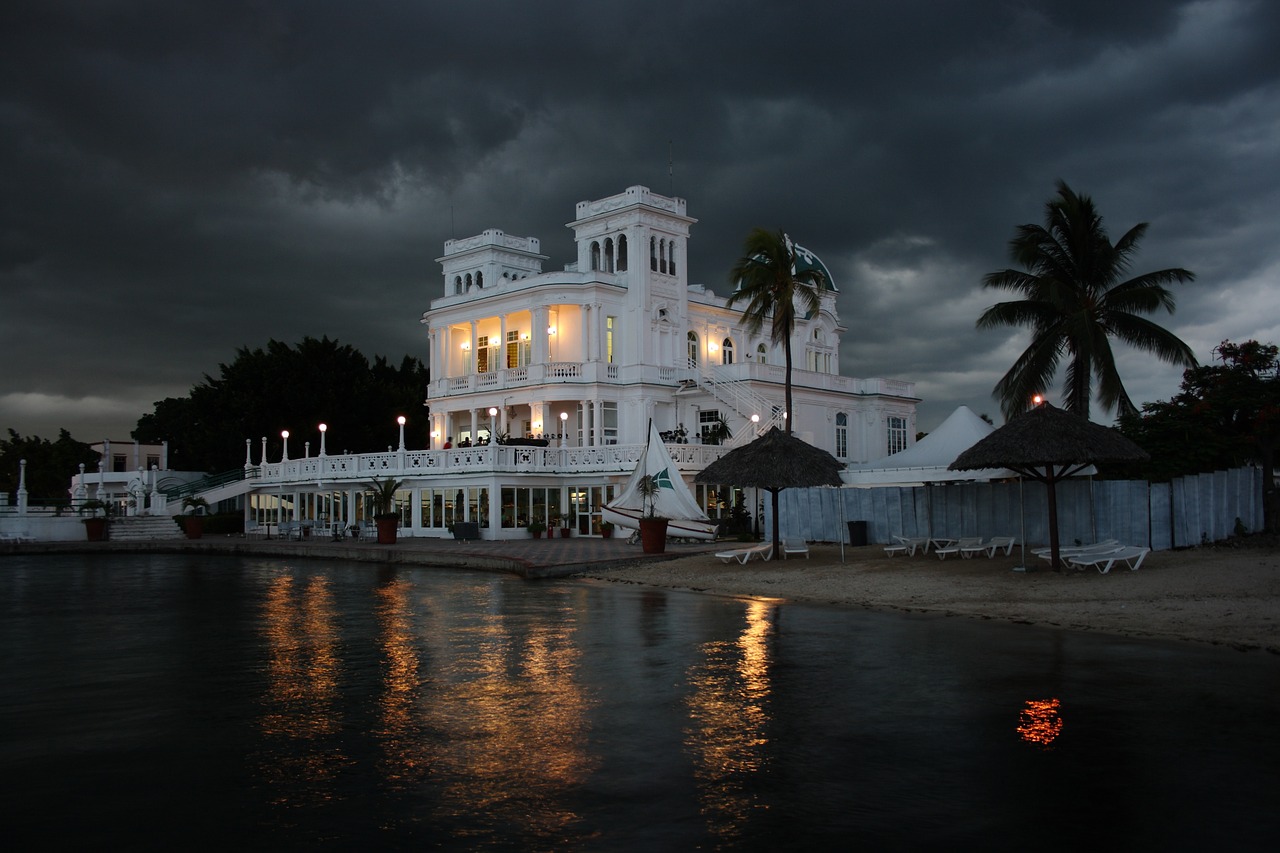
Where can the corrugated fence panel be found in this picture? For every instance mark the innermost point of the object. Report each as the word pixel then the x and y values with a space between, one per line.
pixel 1161 514
pixel 1186 512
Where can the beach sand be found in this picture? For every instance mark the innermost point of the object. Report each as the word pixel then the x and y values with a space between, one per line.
pixel 1226 595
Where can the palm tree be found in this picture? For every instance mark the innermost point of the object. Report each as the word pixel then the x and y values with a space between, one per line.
pixel 766 277
pixel 1076 301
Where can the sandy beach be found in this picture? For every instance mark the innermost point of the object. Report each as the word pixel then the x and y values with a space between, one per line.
pixel 1221 595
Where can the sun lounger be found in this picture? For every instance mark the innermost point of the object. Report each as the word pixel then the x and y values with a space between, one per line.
pixel 1066 550
pixel 906 545
pixel 794 546
pixel 990 546
pixel 964 547
pixel 1131 555
pixel 764 551
pixel 1078 551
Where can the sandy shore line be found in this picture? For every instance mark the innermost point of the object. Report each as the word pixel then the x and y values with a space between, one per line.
pixel 1218 595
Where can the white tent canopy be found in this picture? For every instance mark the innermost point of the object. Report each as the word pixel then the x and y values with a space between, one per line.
pixel 926 461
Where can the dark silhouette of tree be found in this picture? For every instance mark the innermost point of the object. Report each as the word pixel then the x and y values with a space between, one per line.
pixel 50 466
pixel 265 391
pixel 1076 300
pixel 1225 415
pixel 765 276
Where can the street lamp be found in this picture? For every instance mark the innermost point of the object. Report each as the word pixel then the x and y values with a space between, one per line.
pixel 284 456
pixel 401 420
pixel 323 429
pixel 564 420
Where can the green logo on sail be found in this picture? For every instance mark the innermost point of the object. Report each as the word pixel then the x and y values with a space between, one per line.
pixel 663 479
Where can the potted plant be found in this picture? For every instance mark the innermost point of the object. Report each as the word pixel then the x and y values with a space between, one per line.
pixel 653 527
pixel 562 521
pixel 384 509
pixel 95 526
pixel 535 527
pixel 193 522
pixel 606 529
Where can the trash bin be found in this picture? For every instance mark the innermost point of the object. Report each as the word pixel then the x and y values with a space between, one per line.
pixel 857 532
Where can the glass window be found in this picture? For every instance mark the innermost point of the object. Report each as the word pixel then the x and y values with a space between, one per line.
pixel 842 436
pixel 897 434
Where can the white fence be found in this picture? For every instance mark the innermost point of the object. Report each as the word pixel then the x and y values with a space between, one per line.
pixel 1189 511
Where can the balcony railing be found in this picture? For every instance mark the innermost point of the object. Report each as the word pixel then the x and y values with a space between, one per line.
pixel 486 459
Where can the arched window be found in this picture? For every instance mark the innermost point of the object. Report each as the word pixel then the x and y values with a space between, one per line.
pixel 653 253
pixel 457 284
pixel 842 436
pixel 608 254
pixel 622 253
pixel 693 349
pixel 479 279
pixel 595 256
pixel 726 352
pixel 762 354
pixel 662 256
pixel 468 281
pixel 671 251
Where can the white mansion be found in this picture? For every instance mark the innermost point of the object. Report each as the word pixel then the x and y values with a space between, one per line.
pixel 543 385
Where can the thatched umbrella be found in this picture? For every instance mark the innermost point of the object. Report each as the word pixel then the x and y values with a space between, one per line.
pixel 774 461
pixel 1048 444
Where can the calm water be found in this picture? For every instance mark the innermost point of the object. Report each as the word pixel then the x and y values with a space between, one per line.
pixel 176 701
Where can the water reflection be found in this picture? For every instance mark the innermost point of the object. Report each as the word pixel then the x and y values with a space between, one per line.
pixel 406 753
pixel 512 717
pixel 1039 722
pixel 729 718
pixel 302 670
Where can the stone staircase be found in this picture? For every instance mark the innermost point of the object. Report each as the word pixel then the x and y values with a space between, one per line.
pixel 143 528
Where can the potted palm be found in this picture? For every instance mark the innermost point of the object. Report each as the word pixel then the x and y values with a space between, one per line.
pixel 653 527
pixel 535 527
pixel 95 526
pixel 606 529
pixel 384 509
pixel 193 522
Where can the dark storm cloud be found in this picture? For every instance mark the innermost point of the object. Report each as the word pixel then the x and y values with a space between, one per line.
pixel 182 179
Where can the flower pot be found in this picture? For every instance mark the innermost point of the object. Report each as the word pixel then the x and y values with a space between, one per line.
pixel 387 529
pixel 606 532
pixel 653 535
pixel 95 529
pixel 193 526
pixel 564 533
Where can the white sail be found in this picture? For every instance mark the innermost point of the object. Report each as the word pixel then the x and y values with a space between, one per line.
pixel 673 501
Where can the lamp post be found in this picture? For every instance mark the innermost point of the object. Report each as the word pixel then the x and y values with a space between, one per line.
pixel 493 423
pixel 564 421
pixel 323 429
pixel 401 420
pixel 284 436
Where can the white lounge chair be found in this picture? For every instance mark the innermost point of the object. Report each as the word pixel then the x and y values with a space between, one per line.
pixel 1068 550
pixel 764 551
pixel 794 546
pixel 964 547
pixel 906 545
pixel 990 546
pixel 1131 555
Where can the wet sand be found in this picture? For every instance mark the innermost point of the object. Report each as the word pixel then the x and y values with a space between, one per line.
pixel 1219 595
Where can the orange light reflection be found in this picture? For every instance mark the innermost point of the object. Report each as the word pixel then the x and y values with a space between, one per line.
pixel 1039 722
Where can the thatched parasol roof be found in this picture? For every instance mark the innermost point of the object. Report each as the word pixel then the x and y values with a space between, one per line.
pixel 1047 436
pixel 774 461
pixel 1048 444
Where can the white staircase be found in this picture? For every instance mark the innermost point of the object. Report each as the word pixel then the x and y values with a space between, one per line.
pixel 143 528
pixel 738 396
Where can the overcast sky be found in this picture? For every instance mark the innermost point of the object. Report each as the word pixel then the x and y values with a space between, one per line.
pixel 181 179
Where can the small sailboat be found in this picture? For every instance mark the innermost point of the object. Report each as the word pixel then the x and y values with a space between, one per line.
pixel 673 501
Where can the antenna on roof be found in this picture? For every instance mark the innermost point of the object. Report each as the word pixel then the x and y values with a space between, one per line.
pixel 671 190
